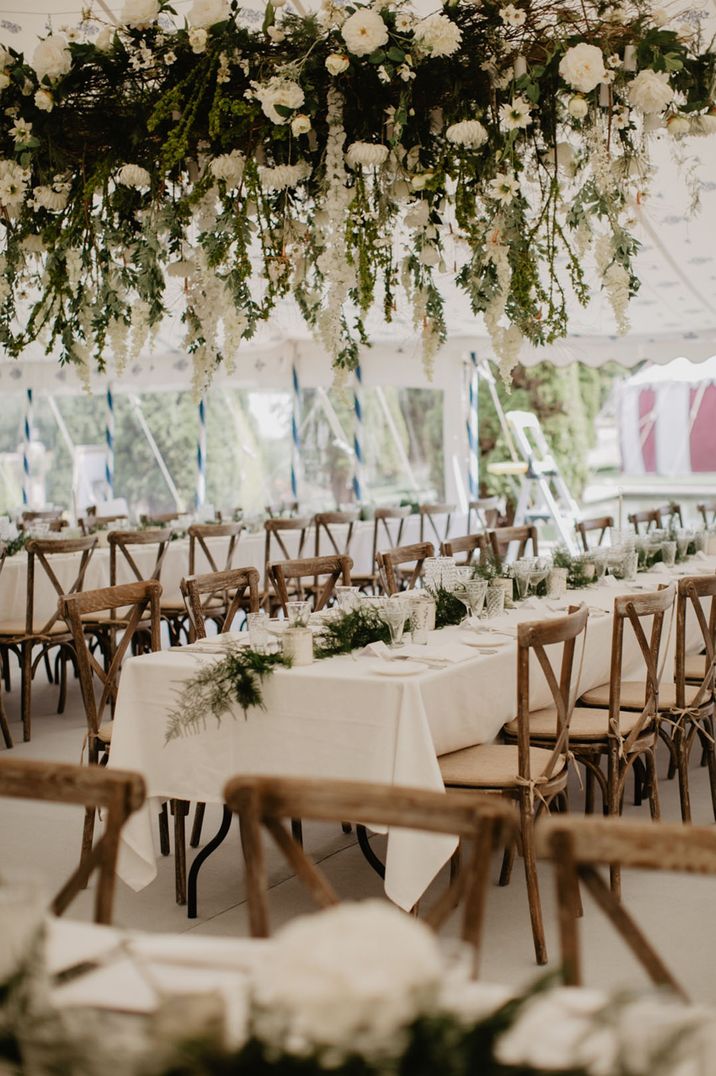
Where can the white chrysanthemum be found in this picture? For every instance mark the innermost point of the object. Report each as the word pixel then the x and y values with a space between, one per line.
pixel 582 67
pixel 513 16
pixel 51 199
pixel 284 175
pixel 205 13
pixel 364 31
pixel 283 92
pixel 52 58
pixel 133 175
pixel 139 13
pixel 337 63
pixel 467 133
pixel 368 154
pixel 228 167
pixel 503 188
pixel 515 114
pixel 438 35
pixel 651 91
pixel 13 183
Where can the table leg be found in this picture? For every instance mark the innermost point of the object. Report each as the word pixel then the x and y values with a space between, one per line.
pixel 364 845
pixel 206 851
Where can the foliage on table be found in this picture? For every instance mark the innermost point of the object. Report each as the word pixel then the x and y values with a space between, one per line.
pixel 214 690
pixel 350 631
pixel 578 575
pixel 448 609
pixel 343 158
pixel 11 546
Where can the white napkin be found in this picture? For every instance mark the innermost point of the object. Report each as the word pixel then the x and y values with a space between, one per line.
pixel 659 568
pixel 699 555
pixel 449 652
pixel 530 603
pixel 610 581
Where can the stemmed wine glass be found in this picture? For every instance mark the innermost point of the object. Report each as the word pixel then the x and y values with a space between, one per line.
pixel 395 612
pixel 472 595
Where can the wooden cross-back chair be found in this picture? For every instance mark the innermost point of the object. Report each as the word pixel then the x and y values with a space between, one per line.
pixel 281 573
pixel 501 538
pixel 429 514
pixel 532 776
pixel 174 613
pixel 578 846
pixel 480 822
pixel 662 516
pixel 121 544
pixel 4 727
pixel 390 561
pixel 707 508
pixel 487 511
pixel 276 532
pixel 586 526
pixel 116 793
pixel 475 548
pixel 324 524
pixel 92 523
pixel 388 526
pixel 202 592
pixel 157 519
pixel 618 720
pixel 45 633
pixel 50 517
pixel 686 710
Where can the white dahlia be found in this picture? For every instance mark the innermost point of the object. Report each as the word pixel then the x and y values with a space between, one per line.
pixel 651 91
pixel 582 67
pixel 52 58
pixel 469 133
pixel 281 92
pixel 284 175
pixel 368 154
pixel 364 31
pixel 228 167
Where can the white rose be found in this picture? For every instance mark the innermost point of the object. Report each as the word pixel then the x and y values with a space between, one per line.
pixel 364 32
pixel 370 154
pixel 139 13
pixel 283 92
pixel 205 13
pixel 468 133
pixel 4 81
pixel 52 58
pixel 228 167
pixel 438 35
pixel 678 126
pixel 300 124
pixel 650 91
pixel 43 101
pixel 197 39
pixel 132 175
pixel 105 38
pixel 577 108
pixel 337 63
pixel 582 67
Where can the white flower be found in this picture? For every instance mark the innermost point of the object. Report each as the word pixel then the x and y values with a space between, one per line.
pixel 181 269
pixel 513 16
pixel 4 80
pixel 228 167
pixel 21 131
pixel 197 40
pixel 678 126
pixel 44 101
pixel 404 22
pixel 5 58
pixel 438 35
pixel 503 187
pixel 276 34
pixel 516 114
pixel 582 67
pixel 577 108
pixel 650 91
pixel 468 133
pixel 614 60
pixel 418 215
pixel 383 74
pixel 364 31
pixel 301 124
pixel 429 255
pixel 281 92
pixel 660 16
pixel 703 125
pixel 368 154
pixel 621 119
pixel 337 63
pixel 105 38
pixel 139 13
pixel 420 181
pixel 205 13
pixel 52 58
pixel 13 183
pixel 284 175
pixel 132 175
pixel 49 198
pixel 170 58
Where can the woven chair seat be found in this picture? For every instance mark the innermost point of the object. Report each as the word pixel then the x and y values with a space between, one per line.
pixel 695 667
pixel 17 628
pixel 588 723
pixel 493 766
pixel 631 695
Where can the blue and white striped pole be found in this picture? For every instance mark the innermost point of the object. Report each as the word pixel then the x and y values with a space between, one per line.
pixel 473 448
pixel 359 459
pixel 109 443
pixel 26 442
pixel 296 402
pixel 201 456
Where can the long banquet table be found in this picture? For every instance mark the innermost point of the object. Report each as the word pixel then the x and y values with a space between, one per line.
pixel 342 718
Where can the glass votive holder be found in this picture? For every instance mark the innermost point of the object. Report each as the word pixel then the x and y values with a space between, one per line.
pixel 557 583
pixel 419 619
pixel 298 613
pixel 297 644
pixel 668 553
pixel 630 564
pixel 347 598
pixel 258 631
pixel 495 599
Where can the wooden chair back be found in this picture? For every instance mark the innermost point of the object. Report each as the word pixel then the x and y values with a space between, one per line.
pixel 382 533
pixel 429 514
pixel 389 561
pixel 199 533
pixel 40 555
pixel 578 846
pixel 136 600
pixel 324 524
pixel 282 509
pixel 475 548
pixel 117 793
pixel 52 517
pixel 92 523
pixel 155 519
pixel 597 523
pixel 691 592
pixel 122 542
pixel 487 511
pixel 315 568
pixel 479 821
pixel 501 538
pixel 705 508
pixel 662 516
pixel 203 594
pixel 633 609
pixel 275 547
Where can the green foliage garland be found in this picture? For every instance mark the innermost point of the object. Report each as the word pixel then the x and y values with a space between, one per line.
pixel 14 545
pixel 448 609
pixel 351 631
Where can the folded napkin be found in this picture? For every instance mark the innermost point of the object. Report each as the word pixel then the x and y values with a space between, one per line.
pixel 699 555
pixel 448 652
pixel 659 569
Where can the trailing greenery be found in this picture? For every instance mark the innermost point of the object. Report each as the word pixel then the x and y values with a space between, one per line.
pixel 14 545
pixel 448 609
pixel 351 631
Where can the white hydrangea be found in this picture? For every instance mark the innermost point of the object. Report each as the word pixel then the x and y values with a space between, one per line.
pixel 139 13
pixel 52 58
pixel 283 92
pixel 228 167
pixel 364 31
pixel 651 91
pixel 582 67
pixel 282 176
pixel 205 13
pixel 133 175
pixel 469 133
pixel 368 154
pixel 438 35
pixel 13 183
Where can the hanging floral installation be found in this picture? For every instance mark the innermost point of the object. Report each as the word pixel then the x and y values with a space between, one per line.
pixel 347 159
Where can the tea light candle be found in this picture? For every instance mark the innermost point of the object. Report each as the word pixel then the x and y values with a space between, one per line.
pixel 520 66
pixel 630 57
pixel 604 94
pixel 298 645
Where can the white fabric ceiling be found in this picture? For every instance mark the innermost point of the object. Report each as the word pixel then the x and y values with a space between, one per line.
pixel 673 315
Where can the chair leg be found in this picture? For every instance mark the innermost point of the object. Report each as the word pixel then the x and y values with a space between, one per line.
pixel 180 809
pixel 26 689
pixel 164 830
pixel 588 791
pixel 195 838
pixel 5 654
pixel 508 862
pixel 653 779
pixel 87 834
pixel 533 897
pixel 682 765
pixel 297 830
pixel 711 756
pixel 62 698
pixel 639 781
pixel 4 727
pixel 613 803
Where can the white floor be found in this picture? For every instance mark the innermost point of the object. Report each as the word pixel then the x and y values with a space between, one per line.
pixel 675 911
